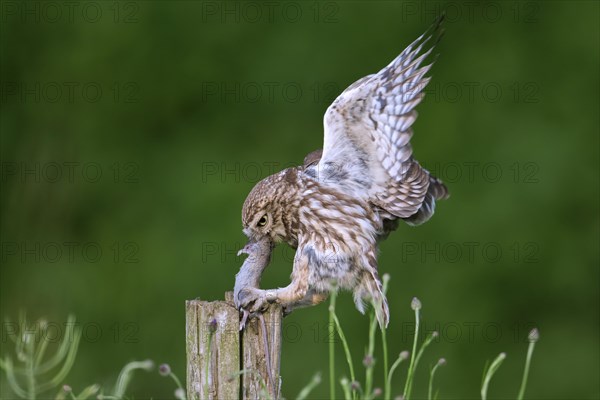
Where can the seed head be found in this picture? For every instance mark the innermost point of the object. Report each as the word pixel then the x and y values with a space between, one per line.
pixel 386 279
pixel 212 326
pixel 180 394
pixel 164 369
pixel 534 335
pixel 415 304
pixel 404 355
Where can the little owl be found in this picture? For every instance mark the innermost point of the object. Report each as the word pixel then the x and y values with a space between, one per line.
pixel 349 196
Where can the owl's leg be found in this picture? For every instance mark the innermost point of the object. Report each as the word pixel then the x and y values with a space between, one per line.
pixel 255 300
pixel 312 298
pixel 297 290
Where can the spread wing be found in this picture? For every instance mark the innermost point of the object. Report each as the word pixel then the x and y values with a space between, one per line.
pixel 367 147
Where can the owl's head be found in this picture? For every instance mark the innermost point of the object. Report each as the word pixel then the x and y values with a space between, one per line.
pixel 268 211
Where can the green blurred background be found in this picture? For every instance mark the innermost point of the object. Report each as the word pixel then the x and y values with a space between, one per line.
pixel 167 113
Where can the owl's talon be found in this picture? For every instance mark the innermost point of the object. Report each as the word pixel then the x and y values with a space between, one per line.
pixel 252 300
pixel 287 311
pixel 245 315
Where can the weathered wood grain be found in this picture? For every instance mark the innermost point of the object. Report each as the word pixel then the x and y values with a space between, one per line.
pixel 237 365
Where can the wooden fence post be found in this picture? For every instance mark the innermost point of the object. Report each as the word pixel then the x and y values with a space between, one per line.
pixel 224 363
pixel 261 355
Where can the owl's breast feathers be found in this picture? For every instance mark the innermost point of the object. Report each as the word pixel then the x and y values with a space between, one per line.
pixel 329 214
pixel 313 207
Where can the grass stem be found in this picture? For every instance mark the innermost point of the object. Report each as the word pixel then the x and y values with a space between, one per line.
pixel 386 280
pixel 489 373
pixel 316 380
pixel 441 362
pixel 416 306
pixel 369 359
pixel 346 347
pixel 533 338
pixel 331 332
pixel 388 386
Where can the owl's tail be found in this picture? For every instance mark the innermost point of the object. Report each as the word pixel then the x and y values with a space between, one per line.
pixel 436 191
pixel 377 300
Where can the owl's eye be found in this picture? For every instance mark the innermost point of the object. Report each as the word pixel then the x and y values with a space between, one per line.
pixel 262 221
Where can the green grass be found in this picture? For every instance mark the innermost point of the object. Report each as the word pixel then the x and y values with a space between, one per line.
pixel 31 371
pixel 353 389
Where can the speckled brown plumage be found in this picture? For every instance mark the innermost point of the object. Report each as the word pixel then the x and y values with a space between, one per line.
pixel 346 198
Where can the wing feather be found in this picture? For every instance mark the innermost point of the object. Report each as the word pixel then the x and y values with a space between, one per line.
pixel 368 132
